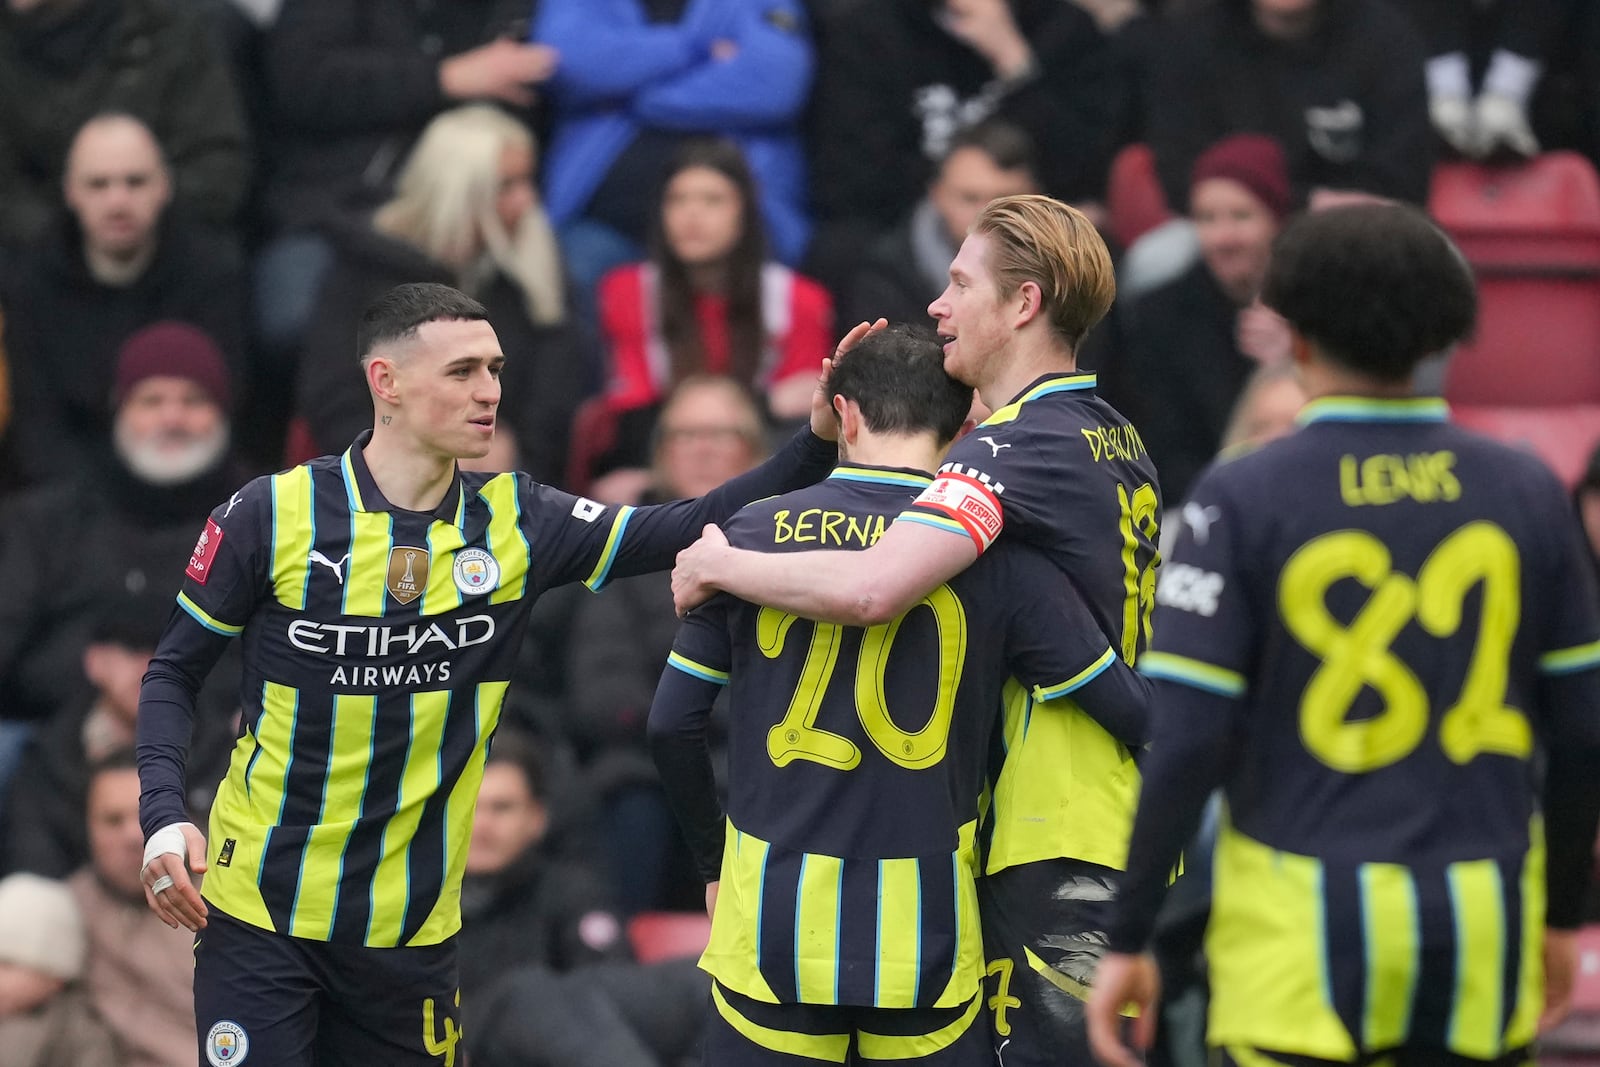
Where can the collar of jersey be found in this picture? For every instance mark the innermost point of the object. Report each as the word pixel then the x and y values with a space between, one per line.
pixel 861 472
pixel 364 495
pixel 1074 382
pixel 1374 409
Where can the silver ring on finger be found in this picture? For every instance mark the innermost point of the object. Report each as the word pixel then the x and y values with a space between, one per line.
pixel 164 882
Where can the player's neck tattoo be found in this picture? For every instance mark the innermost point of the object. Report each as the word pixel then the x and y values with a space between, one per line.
pixel 386 419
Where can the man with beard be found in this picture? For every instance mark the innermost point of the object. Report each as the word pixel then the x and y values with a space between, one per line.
pixel 113 529
pixel 119 258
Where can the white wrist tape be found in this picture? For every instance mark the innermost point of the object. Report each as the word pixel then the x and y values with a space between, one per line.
pixel 168 839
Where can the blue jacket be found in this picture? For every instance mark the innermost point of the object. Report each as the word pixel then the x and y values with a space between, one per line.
pixel 620 73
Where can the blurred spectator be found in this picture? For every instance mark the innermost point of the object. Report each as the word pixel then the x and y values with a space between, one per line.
pixel 616 1014
pixel 710 431
pixel 708 303
pixel 905 76
pixel 44 814
pixel 520 904
pixel 119 259
pixel 1267 409
pixel 1505 43
pixel 1185 350
pixel 140 970
pixel 639 76
pixel 352 84
pixel 122 527
pixel 465 213
pixel 1586 497
pixel 1339 84
pixel 64 61
pixel 45 1017
pixel 906 269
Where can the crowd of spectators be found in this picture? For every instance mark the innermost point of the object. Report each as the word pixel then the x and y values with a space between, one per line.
pixel 671 208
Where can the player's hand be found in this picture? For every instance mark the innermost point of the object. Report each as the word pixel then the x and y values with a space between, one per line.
pixel 986 27
pixel 711 899
pixel 824 423
pixel 692 579
pixel 1560 975
pixel 171 854
pixel 1122 980
pixel 500 70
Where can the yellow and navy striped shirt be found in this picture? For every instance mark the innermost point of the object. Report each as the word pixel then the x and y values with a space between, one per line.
pixel 1368 627
pixel 378 644
pixel 857 756
pixel 1060 470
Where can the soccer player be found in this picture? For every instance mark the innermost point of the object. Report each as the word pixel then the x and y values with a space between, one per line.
pixel 845 910
pixel 1377 635
pixel 381 596
pixel 1059 469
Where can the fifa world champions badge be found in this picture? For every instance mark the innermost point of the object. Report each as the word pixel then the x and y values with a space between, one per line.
pixel 227 1044
pixel 476 571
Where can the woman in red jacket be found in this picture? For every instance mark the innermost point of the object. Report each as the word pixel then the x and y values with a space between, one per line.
pixel 708 301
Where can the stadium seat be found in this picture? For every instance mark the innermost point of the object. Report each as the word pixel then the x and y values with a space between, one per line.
pixel 668 935
pixel 1134 198
pixel 594 432
pixel 1564 437
pixel 1532 234
pixel 1576 1042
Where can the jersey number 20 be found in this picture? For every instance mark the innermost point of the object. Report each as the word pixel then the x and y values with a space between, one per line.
pixel 1359 656
pixel 797 735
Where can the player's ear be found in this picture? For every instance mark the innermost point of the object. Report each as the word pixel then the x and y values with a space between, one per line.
pixel 1028 301
pixel 381 378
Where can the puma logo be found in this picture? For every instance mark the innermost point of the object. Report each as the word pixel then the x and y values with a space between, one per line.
pixel 990 442
pixel 336 568
pixel 1199 519
pixel 233 502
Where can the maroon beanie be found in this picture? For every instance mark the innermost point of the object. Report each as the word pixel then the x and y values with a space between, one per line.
pixel 1254 161
pixel 172 350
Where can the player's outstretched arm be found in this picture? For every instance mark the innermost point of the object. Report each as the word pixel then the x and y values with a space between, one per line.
pixel 852 588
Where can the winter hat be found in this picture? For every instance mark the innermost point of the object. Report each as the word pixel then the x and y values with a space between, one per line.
pixel 172 350
pixel 1254 161
pixel 41 927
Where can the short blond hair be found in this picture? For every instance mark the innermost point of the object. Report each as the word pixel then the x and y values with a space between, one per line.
pixel 1041 240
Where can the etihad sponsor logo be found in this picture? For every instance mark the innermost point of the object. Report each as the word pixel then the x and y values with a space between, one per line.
pixel 378 642
pixel 392 676
pixel 1189 588
pixel 408 572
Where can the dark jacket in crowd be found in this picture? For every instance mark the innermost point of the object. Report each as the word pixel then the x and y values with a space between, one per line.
pixel 539 911
pixel 1176 373
pixel 62 64
pixel 63 330
pixel 898 86
pixel 353 83
pixel 64 547
pixel 546 367
pixel 892 281
pixel 46 808
pixel 1348 104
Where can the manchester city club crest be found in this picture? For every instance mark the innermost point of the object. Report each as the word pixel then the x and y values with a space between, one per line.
pixel 227 1044
pixel 476 571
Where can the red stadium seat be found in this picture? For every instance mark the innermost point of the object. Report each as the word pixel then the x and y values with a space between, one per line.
pixel 668 935
pixel 1564 437
pixel 594 432
pixel 1532 234
pixel 298 444
pixel 1133 195
pixel 1576 1042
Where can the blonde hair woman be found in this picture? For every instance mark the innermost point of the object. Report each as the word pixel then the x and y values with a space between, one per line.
pixel 466 213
